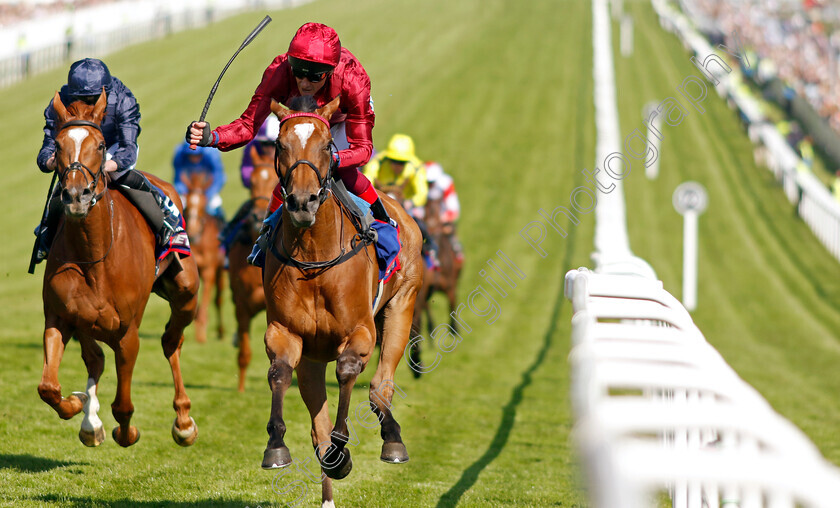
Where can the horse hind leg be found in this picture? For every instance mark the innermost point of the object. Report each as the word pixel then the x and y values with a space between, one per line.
pixel 382 387
pixel 92 432
pixel 55 340
pixel 181 293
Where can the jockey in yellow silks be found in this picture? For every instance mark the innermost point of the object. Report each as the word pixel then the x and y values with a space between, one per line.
pixel 398 165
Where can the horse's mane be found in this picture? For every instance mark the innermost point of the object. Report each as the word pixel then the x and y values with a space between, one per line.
pixel 304 103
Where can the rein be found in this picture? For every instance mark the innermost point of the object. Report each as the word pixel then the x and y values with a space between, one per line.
pixel 357 243
pixel 78 166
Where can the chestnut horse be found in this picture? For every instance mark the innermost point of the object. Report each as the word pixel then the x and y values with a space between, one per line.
pixel 445 278
pixel 99 275
pixel 203 230
pixel 246 282
pixel 321 282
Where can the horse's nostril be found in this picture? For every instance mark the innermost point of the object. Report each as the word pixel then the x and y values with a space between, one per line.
pixel 313 198
pixel 65 196
pixel 86 193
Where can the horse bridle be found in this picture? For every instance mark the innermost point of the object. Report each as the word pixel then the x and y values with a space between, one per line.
pixel 78 166
pixel 357 243
pixel 324 183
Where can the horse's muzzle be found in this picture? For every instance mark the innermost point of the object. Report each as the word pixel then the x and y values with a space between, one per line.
pixel 302 208
pixel 77 201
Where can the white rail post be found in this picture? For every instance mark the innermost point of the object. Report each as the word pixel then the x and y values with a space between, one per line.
pixel 690 200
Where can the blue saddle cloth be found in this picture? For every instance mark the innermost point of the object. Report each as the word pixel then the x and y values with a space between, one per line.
pixel 387 245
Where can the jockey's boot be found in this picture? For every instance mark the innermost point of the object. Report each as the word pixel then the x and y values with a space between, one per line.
pixel 257 255
pixel 380 213
pixel 46 234
pixel 160 212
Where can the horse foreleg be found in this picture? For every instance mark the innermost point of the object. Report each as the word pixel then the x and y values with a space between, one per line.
pixel 122 408
pixel 313 391
pixel 452 296
pixel 49 389
pixel 206 287
pixel 394 339
pixel 92 432
pixel 284 353
pixel 243 321
pixel 351 362
pixel 220 287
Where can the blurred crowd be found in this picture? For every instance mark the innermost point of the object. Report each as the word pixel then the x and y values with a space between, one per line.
pixel 796 40
pixel 15 11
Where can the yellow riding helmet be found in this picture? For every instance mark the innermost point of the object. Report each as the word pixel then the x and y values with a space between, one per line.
pixel 400 148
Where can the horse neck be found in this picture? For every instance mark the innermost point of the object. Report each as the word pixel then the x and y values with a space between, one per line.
pixel 323 240
pixel 90 238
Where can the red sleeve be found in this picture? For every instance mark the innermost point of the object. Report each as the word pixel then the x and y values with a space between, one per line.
pixel 357 105
pixel 242 130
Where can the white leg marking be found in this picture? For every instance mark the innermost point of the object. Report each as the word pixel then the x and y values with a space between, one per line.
pixel 78 135
pixel 91 422
pixel 328 504
pixel 303 131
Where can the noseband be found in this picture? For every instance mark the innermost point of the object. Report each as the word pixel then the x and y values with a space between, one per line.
pixel 78 166
pixel 325 182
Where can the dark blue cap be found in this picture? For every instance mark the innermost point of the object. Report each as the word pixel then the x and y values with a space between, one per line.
pixel 87 77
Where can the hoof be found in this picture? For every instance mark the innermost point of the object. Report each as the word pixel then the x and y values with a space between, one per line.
pixel 275 458
pixel 342 469
pixel 92 437
pixel 394 453
pixel 187 436
pixel 82 396
pixel 133 436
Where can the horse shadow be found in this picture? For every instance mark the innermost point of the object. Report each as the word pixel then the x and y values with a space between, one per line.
pixel 26 463
pixel 79 502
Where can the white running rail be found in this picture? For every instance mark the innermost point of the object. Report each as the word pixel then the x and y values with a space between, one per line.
pixel 657 409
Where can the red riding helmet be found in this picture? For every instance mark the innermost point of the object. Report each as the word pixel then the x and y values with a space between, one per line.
pixel 317 43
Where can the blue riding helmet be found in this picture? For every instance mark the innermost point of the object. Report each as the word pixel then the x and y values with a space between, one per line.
pixel 87 77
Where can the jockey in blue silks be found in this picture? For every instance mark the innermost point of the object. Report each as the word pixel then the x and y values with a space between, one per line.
pixel 202 160
pixel 120 127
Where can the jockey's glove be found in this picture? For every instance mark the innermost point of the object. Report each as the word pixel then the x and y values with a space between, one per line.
pixel 206 134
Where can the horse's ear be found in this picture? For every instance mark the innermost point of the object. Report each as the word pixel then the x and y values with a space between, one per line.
pixel 99 108
pixel 330 108
pixel 255 156
pixel 279 109
pixel 59 108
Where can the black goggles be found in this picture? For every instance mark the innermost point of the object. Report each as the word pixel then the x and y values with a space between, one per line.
pixel 313 77
pixel 87 99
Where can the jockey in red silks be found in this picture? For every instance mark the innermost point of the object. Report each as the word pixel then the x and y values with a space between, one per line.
pixel 315 65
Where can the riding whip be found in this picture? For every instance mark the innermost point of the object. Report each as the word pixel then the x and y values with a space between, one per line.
pixel 42 226
pixel 266 20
